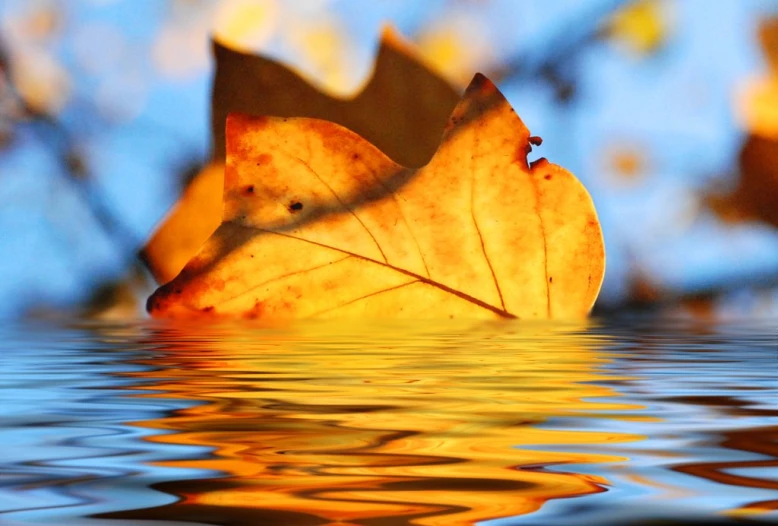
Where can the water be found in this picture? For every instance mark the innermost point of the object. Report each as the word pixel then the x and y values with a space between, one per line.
pixel 381 424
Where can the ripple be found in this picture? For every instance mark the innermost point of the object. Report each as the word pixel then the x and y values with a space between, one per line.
pixel 388 423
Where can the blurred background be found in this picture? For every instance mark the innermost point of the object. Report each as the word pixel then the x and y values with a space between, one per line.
pixel 667 110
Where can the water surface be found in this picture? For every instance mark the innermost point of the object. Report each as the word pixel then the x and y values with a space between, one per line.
pixel 389 423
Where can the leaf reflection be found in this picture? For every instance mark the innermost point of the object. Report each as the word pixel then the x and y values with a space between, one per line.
pixel 762 441
pixel 430 424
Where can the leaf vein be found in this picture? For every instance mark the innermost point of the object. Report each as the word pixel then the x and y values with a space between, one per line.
pixel 344 205
pixel 363 297
pixel 402 216
pixel 500 312
pixel 283 276
pixel 536 191
pixel 481 237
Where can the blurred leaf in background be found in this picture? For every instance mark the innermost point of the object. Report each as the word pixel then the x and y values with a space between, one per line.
pixel 755 194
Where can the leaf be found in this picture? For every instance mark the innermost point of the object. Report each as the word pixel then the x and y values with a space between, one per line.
pixel 757 101
pixel 754 196
pixel 401 110
pixel 756 107
pixel 194 218
pixel 318 222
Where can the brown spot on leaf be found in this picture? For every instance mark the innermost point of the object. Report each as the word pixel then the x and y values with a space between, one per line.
pixel 535 140
pixel 255 312
pixel 296 206
pixel 249 189
pixel 264 158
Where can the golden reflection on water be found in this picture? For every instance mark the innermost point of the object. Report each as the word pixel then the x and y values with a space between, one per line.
pixel 342 425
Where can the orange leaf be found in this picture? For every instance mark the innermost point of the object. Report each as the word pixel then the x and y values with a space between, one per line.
pixel 757 101
pixel 319 223
pixel 754 196
pixel 401 110
pixel 194 218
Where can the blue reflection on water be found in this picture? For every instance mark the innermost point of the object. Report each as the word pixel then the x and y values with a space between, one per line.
pixel 67 448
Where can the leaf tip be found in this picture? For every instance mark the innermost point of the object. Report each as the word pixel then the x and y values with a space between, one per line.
pixel 155 304
pixel 480 85
pixel 483 103
pixel 391 36
pixel 482 95
pixel 392 42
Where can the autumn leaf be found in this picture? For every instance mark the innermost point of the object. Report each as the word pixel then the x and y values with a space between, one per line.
pixel 754 194
pixel 757 100
pixel 756 107
pixel 320 223
pixel 401 110
pixel 194 218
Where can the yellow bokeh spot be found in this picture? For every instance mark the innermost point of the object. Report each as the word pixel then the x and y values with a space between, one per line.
pixel 245 24
pixel 756 107
pixel 641 27
pixel 443 50
pixel 455 49
pixel 322 49
pixel 41 80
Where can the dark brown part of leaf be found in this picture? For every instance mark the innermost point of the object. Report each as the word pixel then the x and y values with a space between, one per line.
pixel 756 195
pixel 402 109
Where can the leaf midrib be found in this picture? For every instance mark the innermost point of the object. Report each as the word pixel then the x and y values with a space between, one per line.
pixel 418 277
